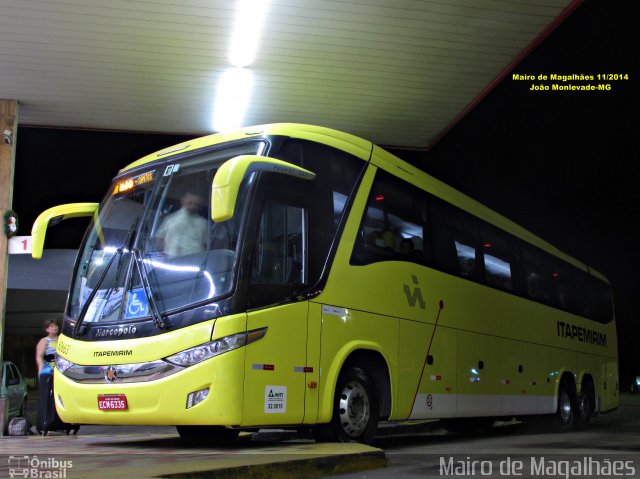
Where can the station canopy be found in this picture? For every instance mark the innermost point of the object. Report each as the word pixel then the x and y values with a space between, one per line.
pixel 397 72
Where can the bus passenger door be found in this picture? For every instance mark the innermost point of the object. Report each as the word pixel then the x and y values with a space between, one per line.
pixel 275 366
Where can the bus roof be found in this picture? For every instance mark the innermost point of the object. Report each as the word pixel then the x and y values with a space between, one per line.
pixel 345 141
pixel 363 149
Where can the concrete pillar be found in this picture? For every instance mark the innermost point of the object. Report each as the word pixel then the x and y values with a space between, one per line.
pixel 8 133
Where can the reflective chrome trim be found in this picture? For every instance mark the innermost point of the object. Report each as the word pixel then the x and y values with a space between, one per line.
pixel 122 373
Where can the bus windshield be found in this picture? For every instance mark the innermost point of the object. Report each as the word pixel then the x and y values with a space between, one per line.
pixel 153 248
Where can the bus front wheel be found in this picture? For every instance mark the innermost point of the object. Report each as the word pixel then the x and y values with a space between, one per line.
pixel 355 410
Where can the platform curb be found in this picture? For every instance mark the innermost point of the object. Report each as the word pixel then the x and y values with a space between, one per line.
pixel 309 467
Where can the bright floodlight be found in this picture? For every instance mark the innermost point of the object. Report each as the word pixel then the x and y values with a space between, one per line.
pixel 232 99
pixel 246 31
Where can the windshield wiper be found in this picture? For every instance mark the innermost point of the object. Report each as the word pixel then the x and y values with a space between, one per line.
pixel 153 306
pixel 118 254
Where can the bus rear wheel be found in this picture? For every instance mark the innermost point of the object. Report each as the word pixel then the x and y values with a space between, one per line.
pixel 566 415
pixel 207 434
pixel 355 410
pixel 584 410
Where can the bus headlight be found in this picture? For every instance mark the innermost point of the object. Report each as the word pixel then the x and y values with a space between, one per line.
pixel 197 354
pixel 62 364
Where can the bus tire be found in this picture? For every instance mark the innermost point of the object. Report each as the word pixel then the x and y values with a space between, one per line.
pixel 567 413
pixel 584 410
pixel 355 410
pixel 586 404
pixel 207 434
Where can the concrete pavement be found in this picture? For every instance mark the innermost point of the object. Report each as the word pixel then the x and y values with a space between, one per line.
pixel 104 452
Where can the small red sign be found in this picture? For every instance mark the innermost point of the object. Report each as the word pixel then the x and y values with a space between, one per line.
pixel 112 402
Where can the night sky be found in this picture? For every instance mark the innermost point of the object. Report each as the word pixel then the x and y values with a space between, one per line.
pixel 563 164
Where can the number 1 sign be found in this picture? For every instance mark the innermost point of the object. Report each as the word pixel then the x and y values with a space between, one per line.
pixel 20 245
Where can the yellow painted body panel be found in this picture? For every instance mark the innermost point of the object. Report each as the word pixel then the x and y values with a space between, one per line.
pixel 516 339
pixel 419 386
pixel 161 402
pixel 345 330
pixel 143 349
pixel 314 334
pixel 284 348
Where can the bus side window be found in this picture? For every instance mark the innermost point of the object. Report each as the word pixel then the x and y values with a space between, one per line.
pixel 328 195
pixel 599 295
pixel 499 255
pixel 539 277
pixel 567 283
pixel 394 223
pixel 279 255
pixel 462 240
pixel 280 258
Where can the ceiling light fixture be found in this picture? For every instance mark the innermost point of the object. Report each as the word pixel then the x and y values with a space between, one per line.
pixel 249 19
pixel 232 99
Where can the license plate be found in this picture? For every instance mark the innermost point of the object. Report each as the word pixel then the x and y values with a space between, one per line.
pixel 112 402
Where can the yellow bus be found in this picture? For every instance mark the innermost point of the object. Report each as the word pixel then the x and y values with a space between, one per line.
pixel 289 275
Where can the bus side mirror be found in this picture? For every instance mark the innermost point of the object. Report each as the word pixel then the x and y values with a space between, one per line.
pixel 226 183
pixel 52 217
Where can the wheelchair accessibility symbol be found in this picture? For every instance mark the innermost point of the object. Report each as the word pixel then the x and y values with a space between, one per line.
pixel 137 304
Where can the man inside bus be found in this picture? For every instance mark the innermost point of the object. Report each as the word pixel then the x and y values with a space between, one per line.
pixel 184 231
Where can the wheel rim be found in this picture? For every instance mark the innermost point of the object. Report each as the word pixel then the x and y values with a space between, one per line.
pixel 354 409
pixel 585 407
pixel 565 408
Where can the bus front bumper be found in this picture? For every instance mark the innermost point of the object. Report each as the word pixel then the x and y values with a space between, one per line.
pixel 163 401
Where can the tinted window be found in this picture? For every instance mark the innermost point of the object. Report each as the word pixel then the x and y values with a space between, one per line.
pixel 461 237
pixel 567 284
pixel 402 222
pixel 538 276
pixel 394 223
pixel 280 256
pixel 337 173
pixel 499 257
pixel 157 225
pixel 298 220
pixel 598 300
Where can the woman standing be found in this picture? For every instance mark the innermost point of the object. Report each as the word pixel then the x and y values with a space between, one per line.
pixel 45 357
pixel 46 348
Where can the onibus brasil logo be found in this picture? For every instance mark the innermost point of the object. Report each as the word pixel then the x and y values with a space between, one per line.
pixel 35 467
